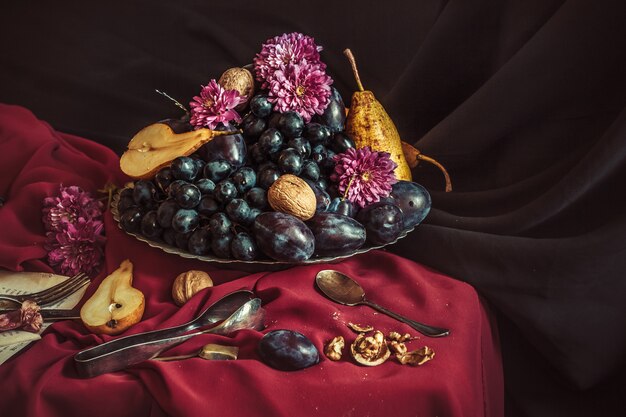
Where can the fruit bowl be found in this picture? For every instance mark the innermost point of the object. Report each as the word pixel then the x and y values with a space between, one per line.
pixel 256 265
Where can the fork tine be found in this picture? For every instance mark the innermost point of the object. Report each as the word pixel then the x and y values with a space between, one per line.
pixel 58 286
pixel 71 285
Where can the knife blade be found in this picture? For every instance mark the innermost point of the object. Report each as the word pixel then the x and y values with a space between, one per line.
pixel 53 314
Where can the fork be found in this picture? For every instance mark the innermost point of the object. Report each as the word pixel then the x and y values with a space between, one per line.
pixel 52 294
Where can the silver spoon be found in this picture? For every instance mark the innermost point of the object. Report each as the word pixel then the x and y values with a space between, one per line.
pixel 344 290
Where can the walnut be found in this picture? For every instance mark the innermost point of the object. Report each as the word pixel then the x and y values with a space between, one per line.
pixel 370 350
pixel 398 348
pixel 399 337
pixel 187 284
pixel 292 195
pixel 360 328
pixel 239 79
pixel 334 348
pixel 417 357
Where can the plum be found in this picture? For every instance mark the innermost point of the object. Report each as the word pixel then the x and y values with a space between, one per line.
pixel 413 200
pixel 336 234
pixel 287 350
pixel 383 222
pixel 231 148
pixel 283 237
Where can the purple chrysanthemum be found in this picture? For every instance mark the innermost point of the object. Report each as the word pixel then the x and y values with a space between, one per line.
pixel 215 105
pixel 284 50
pixel 76 247
pixel 364 176
pixel 300 88
pixel 71 204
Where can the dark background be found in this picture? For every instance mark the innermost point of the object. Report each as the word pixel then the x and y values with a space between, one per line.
pixel 523 102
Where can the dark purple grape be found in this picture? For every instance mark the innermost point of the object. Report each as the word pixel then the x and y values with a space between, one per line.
pixel 327 166
pixel 273 120
pixel 253 126
pixel 271 141
pixel 199 242
pixel 220 245
pixel 290 124
pixel 301 145
pixel 208 206
pixel 169 237
pixel 317 133
pixel 238 210
pixel 125 202
pixel 187 196
pixel 144 193
pixel 343 206
pixel 254 213
pixel 181 125
pixel 184 168
pixel 414 201
pixel 334 115
pixel 244 179
pixel 383 222
pixel 290 161
pixel 163 178
pixel 181 239
pixel 255 154
pixel 130 220
pixel 341 142
pixel 225 191
pixel 166 211
pixel 150 226
pixel 199 164
pixel 287 350
pixel 231 148
pixel 217 170
pixel 260 105
pixel 220 224
pixel 257 198
pixel 174 186
pixel 205 185
pixel 310 170
pixel 185 220
pixel 336 234
pixel 267 176
pixel 243 247
pixel 283 237
pixel 322 198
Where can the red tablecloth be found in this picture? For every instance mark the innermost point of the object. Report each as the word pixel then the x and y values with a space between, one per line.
pixel 464 379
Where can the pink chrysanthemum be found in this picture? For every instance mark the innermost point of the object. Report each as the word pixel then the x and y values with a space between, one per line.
pixel 76 247
pixel 71 204
pixel 364 176
pixel 286 49
pixel 300 88
pixel 215 105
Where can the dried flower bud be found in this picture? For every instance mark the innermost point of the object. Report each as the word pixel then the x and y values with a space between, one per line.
pixel 360 328
pixel 334 348
pixel 417 357
pixel 187 284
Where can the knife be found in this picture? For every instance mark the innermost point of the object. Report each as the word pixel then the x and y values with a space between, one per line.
pixel 54 314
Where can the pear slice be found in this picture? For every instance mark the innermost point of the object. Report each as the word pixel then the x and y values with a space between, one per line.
pixel 116 305
pixel 156 145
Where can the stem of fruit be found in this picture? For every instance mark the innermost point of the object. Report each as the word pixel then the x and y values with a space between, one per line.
pixel 174 100
pixel 348 53
pixel 441 167
pixel 345 193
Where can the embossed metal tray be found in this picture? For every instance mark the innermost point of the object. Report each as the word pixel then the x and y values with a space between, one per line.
pixel 257 265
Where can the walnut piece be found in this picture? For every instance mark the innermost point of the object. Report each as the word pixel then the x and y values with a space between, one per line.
pixel 292 195
pixel 370 350
pixel 359 328
pixel 398 348
pixel 399 337
pixel 417 357
pixel 187 284
pixel 334 348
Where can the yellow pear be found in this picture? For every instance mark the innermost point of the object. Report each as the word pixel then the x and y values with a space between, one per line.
pixel 368 124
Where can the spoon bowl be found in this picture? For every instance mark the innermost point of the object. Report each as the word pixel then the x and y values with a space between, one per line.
pixel 344 290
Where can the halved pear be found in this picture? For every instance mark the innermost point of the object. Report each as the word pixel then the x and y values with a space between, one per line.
pixel 116 305
pixel 156 145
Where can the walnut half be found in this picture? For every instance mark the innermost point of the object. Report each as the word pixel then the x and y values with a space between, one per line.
pixel 417 357
pixel 370 350
pixel 334 348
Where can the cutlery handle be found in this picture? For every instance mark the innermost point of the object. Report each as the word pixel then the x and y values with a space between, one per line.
pixel 424 329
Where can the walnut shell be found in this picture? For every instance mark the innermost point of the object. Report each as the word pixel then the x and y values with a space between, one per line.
pixel 239 79
pixel 292 195
pixel 187 284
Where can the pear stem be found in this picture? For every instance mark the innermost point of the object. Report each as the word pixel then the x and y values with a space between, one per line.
pixel 441 167
pixel 348 53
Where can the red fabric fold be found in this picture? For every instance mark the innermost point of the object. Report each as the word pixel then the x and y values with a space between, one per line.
pixel 464 378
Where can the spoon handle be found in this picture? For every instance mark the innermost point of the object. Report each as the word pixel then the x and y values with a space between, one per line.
pixel 424 329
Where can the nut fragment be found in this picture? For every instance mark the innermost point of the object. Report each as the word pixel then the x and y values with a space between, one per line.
pixel 292 195
pixel 334 348
pixel 360 328
pixel 399 337
pixel 370 350
pixel 398 348
pixel 417 357
pixel 187 284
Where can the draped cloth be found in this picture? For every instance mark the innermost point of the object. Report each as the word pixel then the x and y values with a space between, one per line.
pixel 523 102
